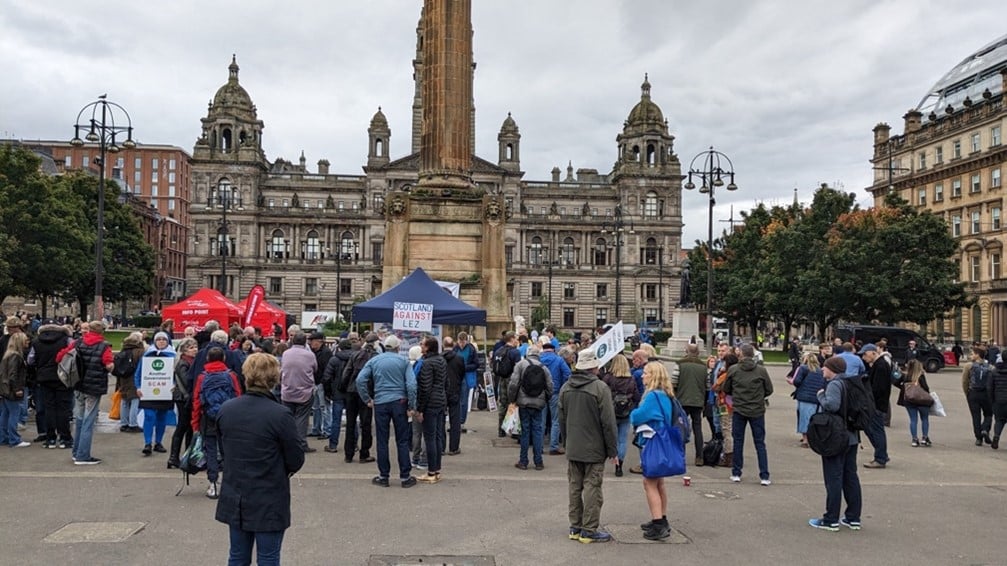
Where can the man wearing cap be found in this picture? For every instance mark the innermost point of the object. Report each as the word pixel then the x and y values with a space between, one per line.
pixel 587 424
pixel 879 382
pixel 394 400
pixel 839 471
pixel 297 384
pixel 560 372
pixel 321 419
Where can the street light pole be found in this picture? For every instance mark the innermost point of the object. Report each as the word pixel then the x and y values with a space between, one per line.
pixel 223 238
pixel 712 173
pixel 660 287
pixel 102 128
pixel 617 227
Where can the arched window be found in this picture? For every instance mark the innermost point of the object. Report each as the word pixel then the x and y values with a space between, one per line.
pixel 312 247
pixel 347 248
pixel 509 152
pixel 535 251
pixel 568 255
pixel 636 153
pixel 600 252
pixel 650 208
pixel 650 252
pixel 651 155
pixel 277 247
pixel 225 140
pixel 379 145
pixel 242 137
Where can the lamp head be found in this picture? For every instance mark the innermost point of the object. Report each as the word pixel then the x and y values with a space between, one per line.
pixel 704 189
pixel 718 182
pixel 91 136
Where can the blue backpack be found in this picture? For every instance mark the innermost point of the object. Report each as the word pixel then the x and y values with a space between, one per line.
pixel 216 389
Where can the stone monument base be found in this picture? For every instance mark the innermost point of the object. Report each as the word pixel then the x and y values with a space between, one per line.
pixel 684 329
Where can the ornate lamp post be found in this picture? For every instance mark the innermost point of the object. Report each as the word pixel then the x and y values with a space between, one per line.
pixel 101 127
pixel 713 168
pixel 617 227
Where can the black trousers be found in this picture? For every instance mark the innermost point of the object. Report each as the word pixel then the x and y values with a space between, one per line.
pixel 183 430
pixel 696 414
pixel 355 407
pixel 58 403
pixel 981 407
pixel 455 426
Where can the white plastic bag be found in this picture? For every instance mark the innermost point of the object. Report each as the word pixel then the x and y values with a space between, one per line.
pixel 937 409
pixel 512 421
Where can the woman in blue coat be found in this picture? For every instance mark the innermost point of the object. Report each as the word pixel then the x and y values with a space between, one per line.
pixel 155 413
pixel 655 411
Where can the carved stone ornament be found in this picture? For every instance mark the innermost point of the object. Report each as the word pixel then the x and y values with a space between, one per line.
pixel 397 206
pixel 494 210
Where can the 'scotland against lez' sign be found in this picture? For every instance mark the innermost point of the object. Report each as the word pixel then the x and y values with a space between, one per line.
pixel 412 316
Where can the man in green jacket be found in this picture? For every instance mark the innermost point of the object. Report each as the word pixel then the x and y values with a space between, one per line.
pixel 587 425
pixel 691 387
pixel 749 385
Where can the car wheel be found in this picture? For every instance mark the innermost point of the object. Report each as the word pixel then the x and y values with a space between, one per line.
pixel 933 366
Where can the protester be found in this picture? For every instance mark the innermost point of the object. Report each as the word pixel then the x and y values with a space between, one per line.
pixel 333 373
pixel 625 398
pixel 530 388
pixel 419 449
pixel 321 417
pixel 998 394
pixel 182 397
pixel 297 368
pixel 454 388
pixel 749 385
pixel 356 408
pixel 839 471
pixel 879 382
pixel 431 406
pixel 559 369
pixel 808 380
pixel 155 412
pixel 13 381
pixel 504 360
pixel 914 375
pixel 655 411
pixel 468 353
pixel 261 451
pixel 214 387
pixel 725 409
pixel 94 361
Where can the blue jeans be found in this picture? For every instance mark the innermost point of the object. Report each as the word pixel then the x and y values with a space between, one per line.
pixel 85 415
pixel 464 401
pixel 321 418
pixel 876 434
pixel 923 413
pixel 433 437
pixel 154 423
pixel 23 407
pixel 387 415
pixel 622 430
pixel 554 431
pixel 129 411
pixel 10 412
pixel 531 426
pixel 267 547
pixel 758 425
pixel 337 422
pixel 841 480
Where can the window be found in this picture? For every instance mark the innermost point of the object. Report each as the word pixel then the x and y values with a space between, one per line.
pixel 939 192
pixel 975 222
pixel 994 136
pixel 310 306
pixel 153 190
pixel 995 178
pixel 171 204
pixel 957 271
pixel 975 142
pixel 569 291
pixel 600 252
pixel 956 225
pixel 923 196
pixel 376 250
pixel 974 268
pixel 601 290
pixel 171 177
pixel 379 203
pixel 535 251
pixel 171 190
pixel 567 253
pixel 137 177
pixel 153 176
pixel 345 286
pixel 311 286
pixel 277 246
pixel 995 218
pixel 650 315
pixel 956 188
pixel 224 244
pixel 171 164
pixel 923 160
pixel 569 315
pixel 271 203
pixel 976 185
pixel 938 155
pixel 340 205
pixel 600 317
pixel 994 266
pixel 536 289
pixel 650 205
pixel 275 285
pixel 120 162
pixel 138 163
pixel 509 256
pixel 68 161
pixel 84 161
pixel 956 149
pixel 650 291
pixel 347 248
pixel 312 247
pixel 650 252
pixel 153 163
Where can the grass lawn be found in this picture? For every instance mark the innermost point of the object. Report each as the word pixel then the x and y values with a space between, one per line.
pixel 775 355
pixel 115 338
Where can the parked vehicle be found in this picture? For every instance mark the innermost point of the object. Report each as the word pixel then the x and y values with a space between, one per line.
pixel 898 342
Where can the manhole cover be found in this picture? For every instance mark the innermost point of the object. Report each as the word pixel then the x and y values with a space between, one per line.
pixel 631 534
pixel 94 532
pixel 431 561
pixel 726 495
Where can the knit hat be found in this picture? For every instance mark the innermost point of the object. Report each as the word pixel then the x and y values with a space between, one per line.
pixel 162 335
pixel 836 364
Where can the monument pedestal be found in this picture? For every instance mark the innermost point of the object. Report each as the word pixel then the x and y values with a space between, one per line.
pixel 684 329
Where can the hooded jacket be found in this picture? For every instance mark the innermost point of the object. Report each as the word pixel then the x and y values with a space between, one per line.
pixel 587 419
pixel 558 369
pixel 456 374
pixel 516 392
pixel 95 361
pixel 51 339
pixel 691 385
pixel 748 384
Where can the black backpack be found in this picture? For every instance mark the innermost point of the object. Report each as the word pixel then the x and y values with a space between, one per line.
pixel 623 405
pixel 827 434
pixel 858 404
pixel 533 380
pixel 503 365
pixel 979 377
pixel 123 364
pixel 353 367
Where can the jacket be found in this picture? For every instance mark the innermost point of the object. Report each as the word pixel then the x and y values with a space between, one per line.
pixel 625 385
pixel 392 380
pixel 297 371
pixel 455 375
pixel 42 356
pixel 322 357
pixel 261 450
pixel 655 410
pixel 94 360
pixel 967 376
pixel 691 385
pixel 13 375
pixel 233 359
pixel 514 391
pixel 153 352
pixel 197 403
pixel 831 401
pixel 587 419
pixel 998 386
pixel 431 384
pixel 334 372
pixel 470 356
pixel 558 369
pixel 748 384
pixel 126 385
pixel 181 392
pixel 879 381
pixel 808 383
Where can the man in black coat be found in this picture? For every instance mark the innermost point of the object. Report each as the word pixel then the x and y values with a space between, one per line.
pixel 455 379
pixel 232 358
pixel 321 425
pixel 879 381
pixel 431 403
pixel 332 374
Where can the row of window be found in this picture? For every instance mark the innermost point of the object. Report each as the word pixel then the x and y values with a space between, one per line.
pixel 975 186
pixel 652 208
pixel 568 253
pixel 311 286
pixel 120 162
pixel 975 269
pixel 975 222
pixel 975 145
pixel 648 291
pixel 601 316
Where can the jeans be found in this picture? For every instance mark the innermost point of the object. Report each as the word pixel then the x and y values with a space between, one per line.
pixel 531 426
pixel 502 401
pixel 354 408
pixel 1000 410
pixel 455 427
pixel 981 408
pixel 85 415
pixel 183 431
pixel 923 414
pixel 211 448
pixel 622 431
pixel 321 418
pixel 10 413
pixel 58 407
pixel 696 414
pixel 39 396
pixel 876 434
pixel 301 413
pixel 419 449
pixel 463 402
pixel 129 412
pixel 337 422
pixel 433 437
pixel 758 425
pixel 23 406
pixel 387 415
pixel 841 480
pixel 554 432
pixel 154 423
pixel 267 547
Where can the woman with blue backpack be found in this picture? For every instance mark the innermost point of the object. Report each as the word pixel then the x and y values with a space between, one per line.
pixel 215 386
pixel 155 413
pixel 654 413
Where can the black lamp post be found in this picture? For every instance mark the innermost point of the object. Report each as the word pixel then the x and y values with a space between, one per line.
pixel 223 237
pixel 617 227
pixel 712 173
pixel 102 128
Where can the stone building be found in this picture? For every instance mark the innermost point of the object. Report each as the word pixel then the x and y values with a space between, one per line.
pixel 316 239
pixel 950 159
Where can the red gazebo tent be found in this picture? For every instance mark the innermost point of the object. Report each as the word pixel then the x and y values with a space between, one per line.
pixel 265 316
pixel 202 306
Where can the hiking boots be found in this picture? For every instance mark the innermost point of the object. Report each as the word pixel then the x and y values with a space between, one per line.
pixel 658 530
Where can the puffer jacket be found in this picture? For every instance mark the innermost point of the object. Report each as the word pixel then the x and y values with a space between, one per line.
pixel 51 339
pixel 516 392
pixel 431 384
pixel 456 375
pixel 587 419
pixel 94 359
pixel 808 383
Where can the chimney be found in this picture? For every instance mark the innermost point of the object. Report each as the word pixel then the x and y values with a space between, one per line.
pixel 913 121
pixel 881 133
pixel 555 174
pixel 323 166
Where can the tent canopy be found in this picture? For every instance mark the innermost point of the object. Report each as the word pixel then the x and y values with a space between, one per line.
pixel 265 315
pixel 200 307
pixel 418 287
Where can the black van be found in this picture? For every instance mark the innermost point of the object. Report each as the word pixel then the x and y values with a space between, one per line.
pixel 898 342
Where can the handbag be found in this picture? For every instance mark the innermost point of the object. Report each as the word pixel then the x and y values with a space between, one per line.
pixel 664 453
pixel 916 395
pixel 116 405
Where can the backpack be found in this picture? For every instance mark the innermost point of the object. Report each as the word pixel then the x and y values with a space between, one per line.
pixel 896 374
pixel 827 434
pixel 623 405
pixel 979 377
pixel 858 404
pixel 681 419
pixel 503 365
pixel 533 380
pixel 712 451
pixel 69 368
pixel 353 367
pixel 123 364
pixel 217 388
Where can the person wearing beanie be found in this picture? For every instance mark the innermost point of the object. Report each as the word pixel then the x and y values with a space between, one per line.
pixel 155 412
pixel 419 447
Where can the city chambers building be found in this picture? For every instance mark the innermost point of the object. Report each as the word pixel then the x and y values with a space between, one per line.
pixel 587 247
pixel 950 159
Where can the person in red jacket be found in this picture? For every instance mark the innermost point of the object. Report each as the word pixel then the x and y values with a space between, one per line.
pixel 94 362
pixel 214 386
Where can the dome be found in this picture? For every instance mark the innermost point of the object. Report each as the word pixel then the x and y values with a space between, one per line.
pixel 379 120
pixel 509 125
pixel 976 74
pixel 645 111
pixel 232 93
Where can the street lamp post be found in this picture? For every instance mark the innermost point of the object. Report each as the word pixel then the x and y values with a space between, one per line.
pixel 617 227
pixel 102 128
pixel 711 172
pixel 223 237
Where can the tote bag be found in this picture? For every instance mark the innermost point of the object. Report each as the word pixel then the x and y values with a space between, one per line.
pixel 664 453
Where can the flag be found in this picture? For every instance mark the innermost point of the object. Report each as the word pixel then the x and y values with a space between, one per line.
pixel 252 303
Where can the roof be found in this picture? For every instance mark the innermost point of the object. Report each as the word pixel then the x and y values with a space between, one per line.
pixel 977 73
pixel 418 287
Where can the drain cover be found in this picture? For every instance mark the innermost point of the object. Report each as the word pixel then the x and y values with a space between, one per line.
pixel 631 534
pixel 431 561
pixel 94 532
pixel 728 495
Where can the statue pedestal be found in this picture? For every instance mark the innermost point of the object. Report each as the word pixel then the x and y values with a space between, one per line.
pixel 684 329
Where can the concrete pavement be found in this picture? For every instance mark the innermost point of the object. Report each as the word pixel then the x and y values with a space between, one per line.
pixel 937 505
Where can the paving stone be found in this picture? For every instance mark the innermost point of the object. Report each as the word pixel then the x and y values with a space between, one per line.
pixel 94 532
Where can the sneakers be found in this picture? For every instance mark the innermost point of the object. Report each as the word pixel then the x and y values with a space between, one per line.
pixel 366 459
pixel 765 482
pixel 211 491
pixel 658 530
pixel 420 465
pixel 159 448
pixel 736 479
pixel 820 523
pixel 979 441
pixel 88 462
pixel 22 444
pixel 986 438
pixel 874 464
pixel 557 452
pixel 430 478
pixel 521 466
pixel 147 449
pixel 699 460
pixel 574 533
pixel 915 443
pixel 636 470
pixel 409 482
pixel 587 537
pixel 926 441
pixel 330 449
pixel 64 444
pixel 996 443
pixel 539 467
pixel 453 452
pixel 50 444
pixel 379 481
pixel 852 525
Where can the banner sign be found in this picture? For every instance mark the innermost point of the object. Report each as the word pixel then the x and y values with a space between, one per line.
pixel 157 378
pixel 317 319
pixel 610 343
pixel 412 316
pixel 252 303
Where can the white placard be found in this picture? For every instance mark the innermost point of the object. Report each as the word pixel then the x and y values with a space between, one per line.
pixel 610 343
pixel 157 378
pixel 412 316
pixel 317 319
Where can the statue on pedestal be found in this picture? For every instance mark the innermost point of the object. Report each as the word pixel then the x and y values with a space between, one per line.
pixel 685 294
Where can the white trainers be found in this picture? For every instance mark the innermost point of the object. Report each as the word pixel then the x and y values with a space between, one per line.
pixel 766 482
pixel 736 479
pixel 23 444
pixel 211 492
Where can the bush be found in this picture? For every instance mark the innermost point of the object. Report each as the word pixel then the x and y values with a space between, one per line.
pixel 147 321
pixel 661 337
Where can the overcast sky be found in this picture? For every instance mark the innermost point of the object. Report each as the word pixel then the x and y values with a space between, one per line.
pixel 790 90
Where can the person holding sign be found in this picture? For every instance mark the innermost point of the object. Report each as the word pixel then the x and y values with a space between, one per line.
pixel 154 378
